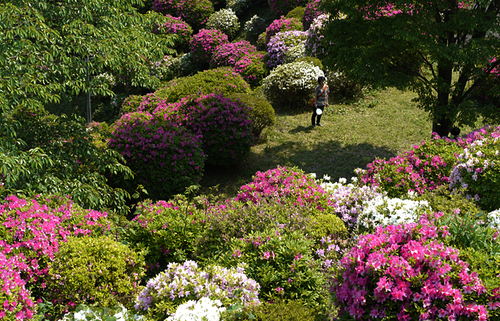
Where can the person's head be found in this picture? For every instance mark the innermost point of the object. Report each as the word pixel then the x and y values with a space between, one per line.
pixel 321 79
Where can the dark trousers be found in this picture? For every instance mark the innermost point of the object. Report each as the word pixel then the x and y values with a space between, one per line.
pixel 317 117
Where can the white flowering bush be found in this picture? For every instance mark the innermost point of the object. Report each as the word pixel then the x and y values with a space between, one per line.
pixel 291 85
pixel 314 45
pixel 202 310
pixel 84 313
pixel 180 283
pixel 224 20
pixel 164 68
pixel 494 219
pixel 255 26
pixel 384 211
pixel 478 171
pixel 238 6
pixel 294 53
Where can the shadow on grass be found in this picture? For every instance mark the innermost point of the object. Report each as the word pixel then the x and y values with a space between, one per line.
pixel 324 158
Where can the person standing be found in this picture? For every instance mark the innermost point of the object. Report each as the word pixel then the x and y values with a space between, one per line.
pixel 320 101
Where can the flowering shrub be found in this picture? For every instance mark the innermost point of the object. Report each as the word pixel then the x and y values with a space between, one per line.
pixel 478 171
pixel 281 43
pixel 228 54
pixel 254 26
pixel 311 12
pixel 80 274
pixel 184 65
pixel 84 313
pixel 238 6
pixel 291 85
pixel 383 211
pixel 175 25
pixel 314 46
pixel 261 112
pixel 252 67
pixel 494 219
pixel 224 20
pixel 294 53
pixel 204 43
pixel 282 7
pixel 194 12
pixel 406 272
pixel 180 283
pixel 423 168
pixel 165 157
pixel 202 310
pixel 281 25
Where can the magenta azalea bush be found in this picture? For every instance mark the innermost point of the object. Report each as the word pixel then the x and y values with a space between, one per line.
pixel 194 12
pixel 282 7
pixel 280 43
pixel 252 68
pixel 229 53
pixel 311 12
pixel 175 25
pixel 405 272
pixel 279 25
pixel 204 44
pixel 165 156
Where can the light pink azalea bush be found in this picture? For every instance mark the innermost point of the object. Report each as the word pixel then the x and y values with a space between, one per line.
pixel 204 43
pixel 175 25
pixel 314 44
pixel 311 12
pixel 279 25
pixel 230 53
pixel 407 273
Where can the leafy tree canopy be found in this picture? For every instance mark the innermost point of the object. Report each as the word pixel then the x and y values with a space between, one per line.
pixel 443 50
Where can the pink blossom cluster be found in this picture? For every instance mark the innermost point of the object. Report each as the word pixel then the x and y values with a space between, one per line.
pixel 282 183
pixel 282 7
pixel 31 232
pixel 313 45
pixel 281 42
pixel 311 12
pixel 176 26
pixel 194 12
pixel 280 25
pixel 204 43
pixel 228 54
pixel 406 271
pixel 252 68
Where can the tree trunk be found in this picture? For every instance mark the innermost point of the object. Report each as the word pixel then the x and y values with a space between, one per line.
pixel 441 126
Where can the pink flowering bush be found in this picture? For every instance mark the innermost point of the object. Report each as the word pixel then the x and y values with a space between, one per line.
pixel 252 67
pixel 165 156
pixel 406 272
pixel 175 25
pixel 311 12
pixel 282 7
pixel 224 126
pixel 230 53
pixel 194 12
pixel 279 25
pixel 204 43
pixel 314 45
pixel 280 43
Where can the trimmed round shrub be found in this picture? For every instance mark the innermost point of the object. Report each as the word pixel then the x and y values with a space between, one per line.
pixel 294 53
pixel 254 26
pixel 224 125
pixel 221 80
pixel 290 85
pixel 180 283
pixel 224 20
pixel 282 7
pixel 175 25
pixel 147 102
pixel 281 43
pixel 204 44
pixel 228 54
pixel 194 12
pixel 311 12
pixel 252 67
pixel 296 13
pixel 261 112
pixel 314 61
pixel 95 270
pixel 165 156
pixel 279 25
pixel 314 45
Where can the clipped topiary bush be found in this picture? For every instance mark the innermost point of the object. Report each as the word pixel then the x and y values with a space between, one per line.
pixel 228 54
pixel 194 12
pixel 282 7
pixel 296 13
pixel 165 157
pixel 175 25
pixel 204 43
pixel 253 67
pixel 224 126
pixel 281 43
pixel 81 274
pixel 261 113
pixel 294 53
pixel 222 80
pixel 224 20
pixel 311 12
pixel 290 85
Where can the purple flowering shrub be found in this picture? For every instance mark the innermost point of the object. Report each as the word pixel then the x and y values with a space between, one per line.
pixel 423 168
pixel 278 25
pixel 194 12
pixel 406 272
pixel 314 44
pixel 311 12
pixel 204 43
pixel 282 7
pixel 175 25
pixel 180 283
pixel 230 53
pixel 224 126
pixel 252 67
pixel 281 43
pixel 165 156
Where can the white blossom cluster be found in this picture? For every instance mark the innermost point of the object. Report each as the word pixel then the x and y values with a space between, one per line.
pixel 383 211
pixel 86 313
pixel 224 20
pixel 202 310
pixel 106 78
pixel 294 53
pixel 494 219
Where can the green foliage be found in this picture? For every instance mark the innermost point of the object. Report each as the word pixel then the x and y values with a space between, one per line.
pixel 343 88
pixel 261 113
pixel 284 310
pixel 443 200
pixel 297 13
pixel 327 224
pixel 131 104
pixel 95 270
pixel 313 61
pixel 221 80
pixel 72 164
